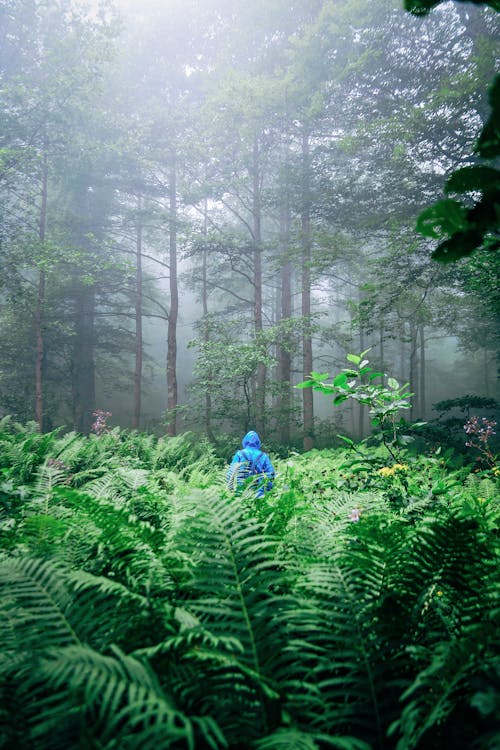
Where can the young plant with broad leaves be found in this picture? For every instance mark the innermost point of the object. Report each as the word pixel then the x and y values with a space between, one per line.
pixel 385 400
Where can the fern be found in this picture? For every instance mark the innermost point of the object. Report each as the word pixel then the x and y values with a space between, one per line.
pixel 447 593
pixel 292 739
pixel 103 537
pixel 45 604
pixel 116 698
pixel 233 570
pixel 161 611
pixel 439 688
pixel 354 669
pixel 253 651
pixel 23 450
pixel 69 692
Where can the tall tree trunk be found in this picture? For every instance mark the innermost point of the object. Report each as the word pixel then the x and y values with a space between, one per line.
pixel 174 305
pixel 361 407
pixel 91 208
pixel 40 348
pixel 422 386
pixel 381 345
pixel 206 329
pixel 307 354
pixel 284 353
pixel 136 416
pixel 83 380
pixel 486 371
pixel 260 386
pixel 402 353
pixel 414 369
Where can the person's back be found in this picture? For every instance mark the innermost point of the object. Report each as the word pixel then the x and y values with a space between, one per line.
pixel 251 461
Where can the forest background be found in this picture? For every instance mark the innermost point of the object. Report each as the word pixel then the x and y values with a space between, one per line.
pixel 204 206
pixel 205 201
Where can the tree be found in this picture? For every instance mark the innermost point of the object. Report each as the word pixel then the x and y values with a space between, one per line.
pixel 46 91
pixel 465 228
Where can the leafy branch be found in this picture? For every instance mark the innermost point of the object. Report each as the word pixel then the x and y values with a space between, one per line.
pixel 357 383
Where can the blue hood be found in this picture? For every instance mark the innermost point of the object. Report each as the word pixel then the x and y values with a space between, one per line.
pixel 251 440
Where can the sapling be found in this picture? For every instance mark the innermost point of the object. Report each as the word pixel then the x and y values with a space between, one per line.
pixel 384 400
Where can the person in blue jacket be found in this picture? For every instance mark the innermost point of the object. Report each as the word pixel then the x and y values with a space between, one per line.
pixel 251 461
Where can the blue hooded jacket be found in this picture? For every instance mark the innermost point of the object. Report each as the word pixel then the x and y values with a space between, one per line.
pixel 251 454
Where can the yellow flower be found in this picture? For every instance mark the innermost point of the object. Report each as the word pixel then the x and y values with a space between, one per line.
pixel 439 593
pixel 386 471
pixel 400 467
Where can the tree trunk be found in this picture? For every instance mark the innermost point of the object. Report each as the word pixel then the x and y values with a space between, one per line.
pixel 136 416
pixel 174 307
pixel 486 371
pixel 402 354
pixel 284 354
pixel 40 350
pixel 414 369
pixel 361 407
pixel 260 389
pixel 206 330
pixel 307 355
pixel 422 386
pixel 381 345
pixel 83 380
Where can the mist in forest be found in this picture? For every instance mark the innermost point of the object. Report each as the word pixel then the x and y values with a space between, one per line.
pixel 204 202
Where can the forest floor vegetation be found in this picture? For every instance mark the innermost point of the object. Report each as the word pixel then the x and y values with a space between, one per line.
pixel 355 606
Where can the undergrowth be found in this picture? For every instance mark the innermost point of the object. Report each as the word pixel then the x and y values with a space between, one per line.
pixel 354 607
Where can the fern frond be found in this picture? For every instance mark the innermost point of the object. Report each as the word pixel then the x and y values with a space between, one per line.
pixel 293 647
pixel 441 686
pixel 233 574
pixel 47 477
pixel 133 478
pixel 35 601
pixel 104 487
pixel 293 739
pixel 24 451
pixel 46 605
pixel 69 448
pixel 115 699
pixel 67 690
pixel 286 739
pixel 116 542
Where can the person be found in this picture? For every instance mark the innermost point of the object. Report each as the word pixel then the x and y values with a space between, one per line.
pixel 251 461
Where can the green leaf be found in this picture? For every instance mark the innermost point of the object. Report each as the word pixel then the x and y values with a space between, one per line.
pixel 478 177
pixel 346 439
pixel 339 399
pixel 305 384
pixel 354 358
pixel 393 383
pixel 358 469
pixel 460 245
pixel 340 379
pixel 443 219
pixel 486 701
pixel 320 375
